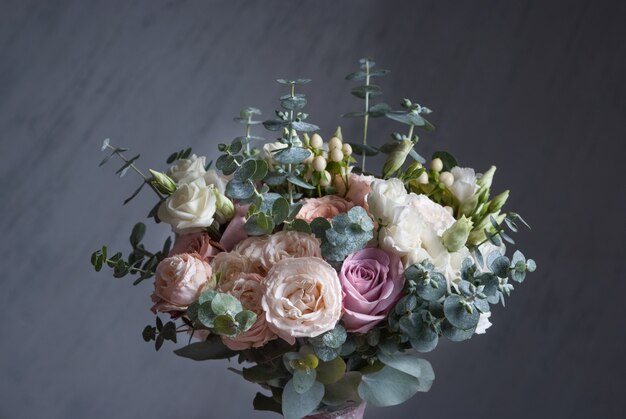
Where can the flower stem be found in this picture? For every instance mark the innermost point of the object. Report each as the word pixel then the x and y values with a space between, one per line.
pixel 367 109
pixel 136 169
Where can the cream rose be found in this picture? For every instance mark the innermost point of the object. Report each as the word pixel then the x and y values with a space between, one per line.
pixel 302 298
pixel 289 244
pixel 191 207
pixel 384 197
pixel 228 266
pixel 247 288
pixel 187 170
pixel 326 207
pixel 179 282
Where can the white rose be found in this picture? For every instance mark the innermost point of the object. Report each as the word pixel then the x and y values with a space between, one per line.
pixel 211 177
pixel 384 197
pixel 302 298
pixel 191 207
pixel 464 185
pixel 187 170
pixel 269 151
pixel 483 323
pixel 433 214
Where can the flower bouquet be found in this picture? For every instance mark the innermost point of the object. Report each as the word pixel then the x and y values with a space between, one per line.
pixel 322 279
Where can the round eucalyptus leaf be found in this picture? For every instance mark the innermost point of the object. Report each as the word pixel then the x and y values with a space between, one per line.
pixel 425 339
pixel 500 266
pixel 239 190
pixel 490 283
pixel 458 315
pixel 225 303
pixel 225 325
pixel 303 380
pixel 330 372
pixel 387 387
pixel 531 266
pixel 246 319
pixel 482 305
pixel 455 334
pixel 297 405
pixel 433 289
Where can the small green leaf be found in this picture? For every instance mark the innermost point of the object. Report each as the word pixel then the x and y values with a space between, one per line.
pixel 139 230
pixel 303 380
pixel 280 210
pixel 239 190
pixel 225 325
pixel 301 226
pixel 225 304
pixel 361 148
pixel 364 90
pixel 304 126
pixel 457 314
pixel 501 266
pixel 330 372
pixel 299 182
pixel 291 155
pixel 246 320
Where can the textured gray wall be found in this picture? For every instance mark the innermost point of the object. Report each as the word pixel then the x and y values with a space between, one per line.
pixel 536 88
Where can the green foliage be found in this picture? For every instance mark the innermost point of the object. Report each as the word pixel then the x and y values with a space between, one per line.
pixel 212 348
pixel 221 313
pixel 348 233
pixel 447 159
pixel 296 405
pixel 159 333
pixel 181 154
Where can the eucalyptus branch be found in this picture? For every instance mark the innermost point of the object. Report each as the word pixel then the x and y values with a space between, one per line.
pixel 118 153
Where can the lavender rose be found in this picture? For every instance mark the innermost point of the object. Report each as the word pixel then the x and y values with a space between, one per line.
pixel 372 281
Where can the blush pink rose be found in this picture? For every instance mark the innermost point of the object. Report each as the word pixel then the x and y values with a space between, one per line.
pixel 252 248
pixel 372 281
pixel 358 188
pixel 235 231
pixel 326 207
pixel 199 243
pixel 179 282
pixel 248 290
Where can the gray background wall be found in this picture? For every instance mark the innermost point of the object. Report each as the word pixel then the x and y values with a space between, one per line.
pixel 536 88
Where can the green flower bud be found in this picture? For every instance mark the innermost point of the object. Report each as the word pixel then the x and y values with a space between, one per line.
pixel 468 207
pixel 163 182
pixel 413 169
pixel 224 207
pixel 397 158
pixel 487 178
pixel 455 237
pixel 499 201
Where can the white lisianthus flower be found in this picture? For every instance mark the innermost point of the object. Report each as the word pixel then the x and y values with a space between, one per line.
pixel 269 150
pixel 187 170
pixel 211 177
pixel 403 234
pixel 483 323
pixel 464 186
pixel 384 197
pixel 191 207
pixel 433 214
pixel 302 298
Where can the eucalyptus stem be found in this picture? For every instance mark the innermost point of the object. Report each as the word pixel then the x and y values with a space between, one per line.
pixel 248 136
pixel 367 116
pixel 410 135
pixel 136 169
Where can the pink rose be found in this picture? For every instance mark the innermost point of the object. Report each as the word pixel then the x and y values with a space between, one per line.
pixel 372 281
pixel 326 207
pixel 358 188
pixel 199 243
pixel 247 288
pixel 179 282
pixel 289 244
pixel 235 231
pixel 228 265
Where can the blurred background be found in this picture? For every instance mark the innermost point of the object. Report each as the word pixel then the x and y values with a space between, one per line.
pixel 535 87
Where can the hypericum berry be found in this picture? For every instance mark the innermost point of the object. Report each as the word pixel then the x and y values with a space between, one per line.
pixel 325 178
pixel 336 155
pixel 436 165
pixel 319 164
pixel 316 141
pixel 446 178
pixel 334 143
pixel 347 149
pixel 423 178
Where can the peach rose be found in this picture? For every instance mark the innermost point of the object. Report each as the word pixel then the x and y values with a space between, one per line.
pixel 326 207
pixel 289 244
pixel 358 188
pixel 199 243
pixel 247 288
pixel 179 282
pixel 302 298
pixel 228 265
pixel 252 247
